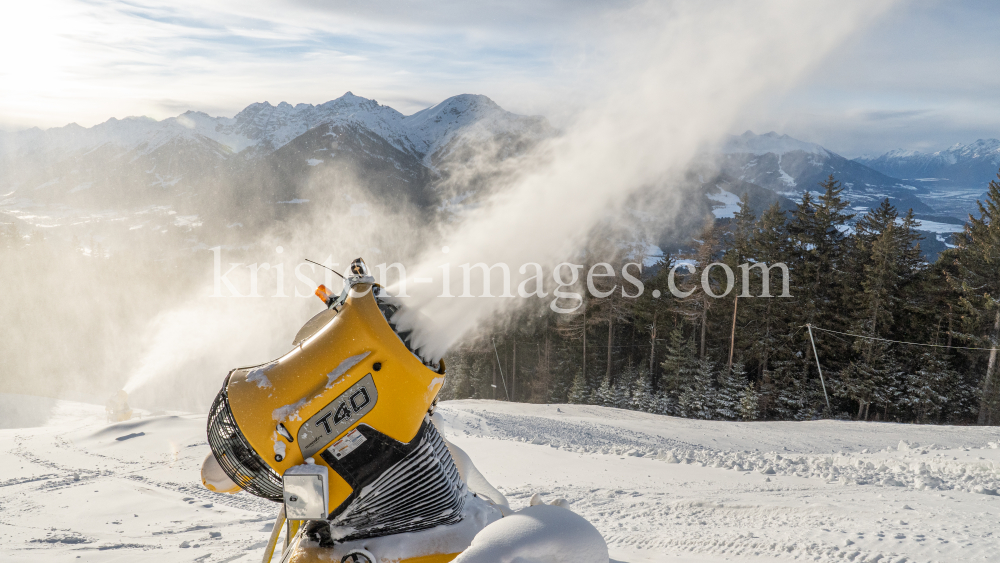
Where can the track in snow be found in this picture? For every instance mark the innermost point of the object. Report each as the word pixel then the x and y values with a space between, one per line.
pixel 658 488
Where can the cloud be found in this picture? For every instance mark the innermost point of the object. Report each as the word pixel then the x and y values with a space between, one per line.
pixel 882 115
pixel 924 78
pixel 86 61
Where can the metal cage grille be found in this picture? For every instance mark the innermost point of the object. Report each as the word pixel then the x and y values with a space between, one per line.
pixel 420 492
pixel 235 455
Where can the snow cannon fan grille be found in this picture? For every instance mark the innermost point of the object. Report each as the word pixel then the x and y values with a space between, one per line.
pixel 235 455
pixel 421 491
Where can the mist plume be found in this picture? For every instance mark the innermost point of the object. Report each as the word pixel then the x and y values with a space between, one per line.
pixel 673 78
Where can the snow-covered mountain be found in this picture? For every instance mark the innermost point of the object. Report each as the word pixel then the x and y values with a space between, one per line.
pixel 772 142
pixel 973 165
pixel 266 128
pixel 263 155
pixel 196 169
pixel 790 166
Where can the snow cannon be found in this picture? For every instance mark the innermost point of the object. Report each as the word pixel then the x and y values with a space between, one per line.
pixel 117 408
pixel 338 430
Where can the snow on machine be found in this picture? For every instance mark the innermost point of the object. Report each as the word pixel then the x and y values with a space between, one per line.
pixel 341 430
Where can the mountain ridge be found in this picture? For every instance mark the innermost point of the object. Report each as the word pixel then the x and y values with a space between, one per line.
pixel 961 165
pixel 789 166
pixel 240 169
pixel 251 168
pixel 267 128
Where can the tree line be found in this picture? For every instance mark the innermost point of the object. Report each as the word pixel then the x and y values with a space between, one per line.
pixel 913 341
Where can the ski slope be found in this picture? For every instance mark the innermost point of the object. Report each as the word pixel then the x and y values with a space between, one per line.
pixel 73 488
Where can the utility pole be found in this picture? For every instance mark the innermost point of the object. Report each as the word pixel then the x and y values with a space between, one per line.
pixel 732 336
pixel 585 342
pixel 816 356
pixel 513 370
pixel 652 348
pixel 504 380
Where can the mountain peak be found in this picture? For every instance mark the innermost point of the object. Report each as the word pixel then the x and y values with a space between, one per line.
pixel 472 101
pixel 903 153
pixel 770 142
pixel 987 144
pixel 350 99
pixel 435 126
pixel 475 103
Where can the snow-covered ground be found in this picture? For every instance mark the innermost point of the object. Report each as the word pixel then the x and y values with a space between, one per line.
pixel 669 489
pixel 937 227
pixel 73 488
pixel 729 204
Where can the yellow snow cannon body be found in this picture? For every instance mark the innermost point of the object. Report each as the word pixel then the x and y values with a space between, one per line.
pixel 338 430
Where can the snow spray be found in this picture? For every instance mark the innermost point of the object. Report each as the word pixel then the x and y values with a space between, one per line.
pixel 679 76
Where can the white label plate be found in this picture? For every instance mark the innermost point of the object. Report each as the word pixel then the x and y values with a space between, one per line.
pixel 322 427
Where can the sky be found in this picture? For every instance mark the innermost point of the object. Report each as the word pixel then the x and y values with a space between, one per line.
pixel 923 75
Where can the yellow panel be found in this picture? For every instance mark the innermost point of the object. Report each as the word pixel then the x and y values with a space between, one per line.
pixel 232 490
pixel 323 555
pixel 297 385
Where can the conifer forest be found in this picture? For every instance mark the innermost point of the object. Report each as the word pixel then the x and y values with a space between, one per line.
pixel 897 338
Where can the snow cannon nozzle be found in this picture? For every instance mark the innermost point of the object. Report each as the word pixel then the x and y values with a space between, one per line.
pixel 359 274
pixel 359 268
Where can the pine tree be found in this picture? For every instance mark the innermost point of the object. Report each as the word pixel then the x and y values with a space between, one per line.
pixel 607 313
pixel 573 328
pixel 651 313
pixel 664 404
pixel 740 239
pixel 457 385
pixel 882 260
pixel 621 389
pixel 580 393
pixel 749 405
pixel 821 289
pixel 699 304
pixel 963 398
pixel 742 229
pixel 975 275
pixel 790 400
pixel 873 379
pixel 605 394
pixel 927 387
pixel 764 333
pixel 643 396
pixel 732 382
pixel 698 398
pixel 680 363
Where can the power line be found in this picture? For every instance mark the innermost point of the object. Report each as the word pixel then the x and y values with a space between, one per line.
pixel 898 341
